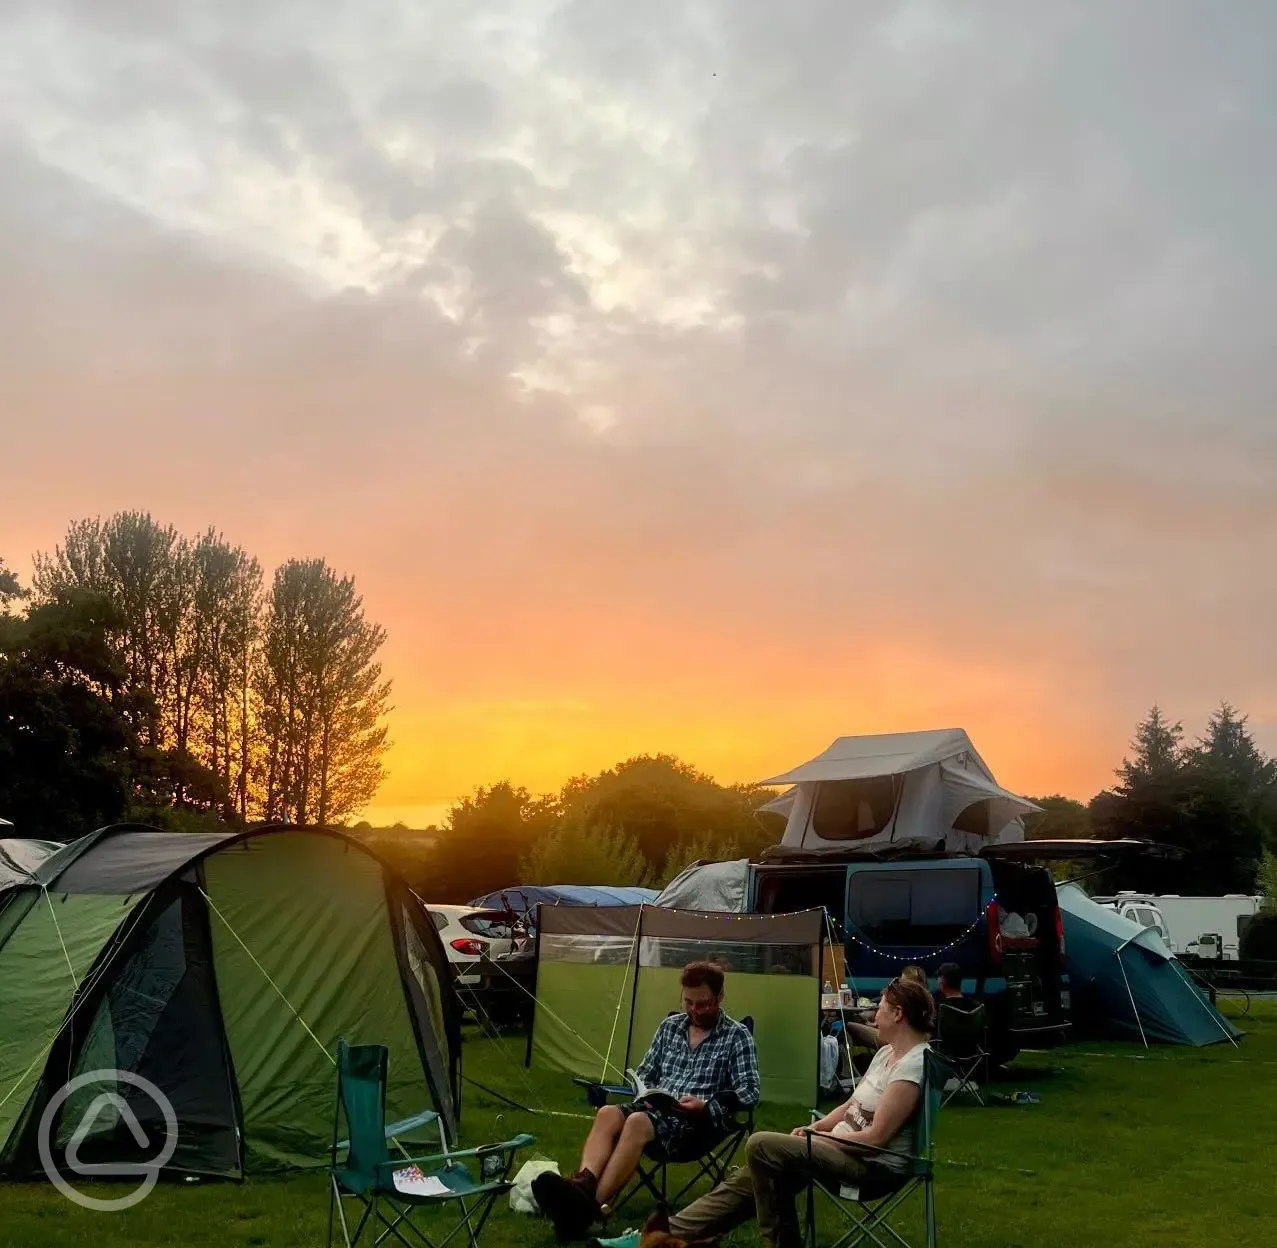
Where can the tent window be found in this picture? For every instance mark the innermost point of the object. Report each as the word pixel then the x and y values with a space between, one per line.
pixel 852 810
pixel 975 818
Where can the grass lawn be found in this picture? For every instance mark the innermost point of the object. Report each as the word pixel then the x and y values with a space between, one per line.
pixel 1172 1147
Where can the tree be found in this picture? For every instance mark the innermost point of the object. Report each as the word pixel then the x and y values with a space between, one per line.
pixel 9 588
pixel 1157 753
pixel 1062 818
pixel 1228 751
pixel 484 840
pixel 661 802
pixel 576 853
pixel 702 847
pixel 1266 880
pixel 66 748
pixel 227 608
pixel 321 697
pixel 1187 800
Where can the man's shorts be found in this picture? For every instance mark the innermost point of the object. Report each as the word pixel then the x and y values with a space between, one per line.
pixel 677 1134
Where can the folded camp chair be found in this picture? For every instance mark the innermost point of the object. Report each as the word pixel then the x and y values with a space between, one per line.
pixel 960 1037
pixel 868 1204
pixel 368 1173
pixel 711 1155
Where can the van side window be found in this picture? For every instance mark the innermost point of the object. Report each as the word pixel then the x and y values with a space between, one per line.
pixel 851 810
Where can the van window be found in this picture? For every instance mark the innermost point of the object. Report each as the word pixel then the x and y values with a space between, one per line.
pixel 914 907
pixel 851 810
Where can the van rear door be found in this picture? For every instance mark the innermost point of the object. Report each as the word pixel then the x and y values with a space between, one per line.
pixel 916 912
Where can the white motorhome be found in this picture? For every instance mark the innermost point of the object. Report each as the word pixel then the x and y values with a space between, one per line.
pixel 1210 927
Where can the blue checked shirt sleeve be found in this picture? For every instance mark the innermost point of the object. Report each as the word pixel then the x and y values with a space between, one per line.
pixel 649 1069
pixel 746 1088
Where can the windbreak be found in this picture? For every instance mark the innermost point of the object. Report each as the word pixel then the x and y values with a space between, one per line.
pixel 607 978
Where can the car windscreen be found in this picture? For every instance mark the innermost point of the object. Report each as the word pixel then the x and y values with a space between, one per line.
pixel 493 926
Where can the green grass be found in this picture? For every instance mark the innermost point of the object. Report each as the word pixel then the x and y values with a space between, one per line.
pixel 1172 1147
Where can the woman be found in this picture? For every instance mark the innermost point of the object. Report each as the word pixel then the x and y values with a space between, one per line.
pixel 866 1034
pixel 879 1114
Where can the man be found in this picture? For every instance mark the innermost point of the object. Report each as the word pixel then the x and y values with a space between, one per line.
pixel 880 1114
pixel 705 1060
pixel 949 977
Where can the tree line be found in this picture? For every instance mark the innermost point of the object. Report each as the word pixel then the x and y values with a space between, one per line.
pixel 1213 799
pixel 153 675
pixel 638 823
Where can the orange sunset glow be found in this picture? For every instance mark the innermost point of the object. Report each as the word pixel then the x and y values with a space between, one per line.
pixel 714 397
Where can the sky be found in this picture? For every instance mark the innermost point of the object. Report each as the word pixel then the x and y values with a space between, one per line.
pixel 715 376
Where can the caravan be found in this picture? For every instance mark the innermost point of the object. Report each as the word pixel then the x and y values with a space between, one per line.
pixel 1209 928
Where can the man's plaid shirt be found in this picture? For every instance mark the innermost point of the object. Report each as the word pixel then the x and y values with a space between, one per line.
pixel 722 1070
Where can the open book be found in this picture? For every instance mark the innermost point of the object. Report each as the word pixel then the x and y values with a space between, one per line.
pixel 657 1096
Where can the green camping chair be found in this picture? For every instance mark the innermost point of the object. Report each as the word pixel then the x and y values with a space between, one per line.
pixel 961 1033
pixel 369 1172
pixel 710 1156
pixel 868 1204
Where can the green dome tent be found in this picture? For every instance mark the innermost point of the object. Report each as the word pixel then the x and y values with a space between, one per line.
pixel 221 969
pixel 1125 978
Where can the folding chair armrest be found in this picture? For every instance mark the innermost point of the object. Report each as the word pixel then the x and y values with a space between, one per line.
pixel 522 1140
pixel 856 1145
pixel 593 1085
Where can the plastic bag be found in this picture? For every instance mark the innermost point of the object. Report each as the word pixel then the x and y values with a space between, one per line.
pixel 521 1198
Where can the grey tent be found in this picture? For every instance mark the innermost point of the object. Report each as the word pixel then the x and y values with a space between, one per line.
pixel 19 858
pixel 1127 983
pixel 222 969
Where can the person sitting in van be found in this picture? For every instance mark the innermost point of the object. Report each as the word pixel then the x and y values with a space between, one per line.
pixel 949 982
pixel 879 1113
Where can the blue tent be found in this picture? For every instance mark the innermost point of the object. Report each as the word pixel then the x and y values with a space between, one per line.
pixel 526 896
pixel 1124 976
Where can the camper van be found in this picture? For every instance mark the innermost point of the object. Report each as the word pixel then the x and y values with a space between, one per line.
pixel 999 920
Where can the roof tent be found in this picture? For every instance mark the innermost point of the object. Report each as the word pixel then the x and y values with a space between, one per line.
pixel 924 790
pixel 220 968
pixel 1127 982
pixel 606 978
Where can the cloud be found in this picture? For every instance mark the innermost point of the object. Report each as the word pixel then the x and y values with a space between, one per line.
pixel 883 363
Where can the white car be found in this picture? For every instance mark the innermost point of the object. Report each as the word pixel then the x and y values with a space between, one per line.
pixel 468 935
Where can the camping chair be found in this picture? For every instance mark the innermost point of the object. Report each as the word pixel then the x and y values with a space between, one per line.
pixel 868 1204
pixel 711 1159
pixel 369 1171
pixel 960 1037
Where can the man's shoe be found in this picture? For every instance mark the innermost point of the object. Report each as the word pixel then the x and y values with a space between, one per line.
pixel 566 1203
pixel 629 1240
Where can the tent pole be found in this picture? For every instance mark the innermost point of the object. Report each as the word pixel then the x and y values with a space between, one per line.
pixel 629 1027
pixel 1134 1008
pixel 616 1018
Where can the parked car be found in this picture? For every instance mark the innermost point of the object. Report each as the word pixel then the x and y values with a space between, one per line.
pixel 469 935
